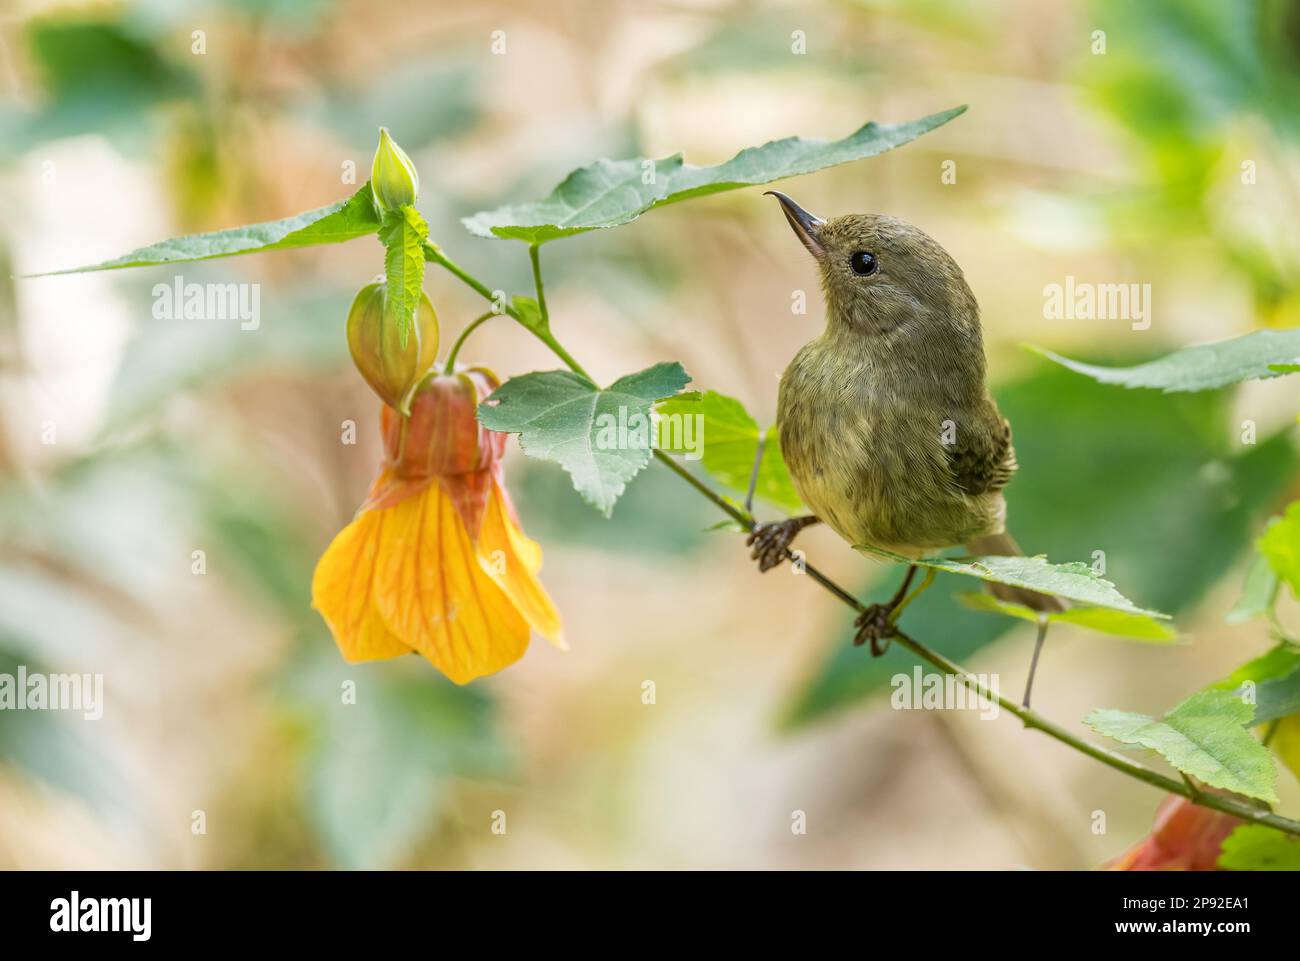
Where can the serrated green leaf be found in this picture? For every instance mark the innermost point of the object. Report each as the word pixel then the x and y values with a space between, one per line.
pixel 1205 737
pixel 609 193
pixel 1280 546
pixel 1253 356
pixel 1139 627
pixel 1258 594
pixel 345 220
pixel 1255 847
pixel 601 437
pixel 403 233
pixel 728 437
pixel 1074 581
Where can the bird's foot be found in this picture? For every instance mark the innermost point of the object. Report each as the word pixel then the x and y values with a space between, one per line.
pixel 771 542
pixel 876 625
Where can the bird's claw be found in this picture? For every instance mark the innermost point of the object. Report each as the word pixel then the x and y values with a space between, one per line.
pixel 875 624
pixel 771 542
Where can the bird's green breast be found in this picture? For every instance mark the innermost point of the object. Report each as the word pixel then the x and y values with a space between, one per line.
pixel 865 445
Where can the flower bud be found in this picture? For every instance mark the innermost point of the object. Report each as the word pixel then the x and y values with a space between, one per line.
pixel 442 436
pixel 393 178
pixel 374 339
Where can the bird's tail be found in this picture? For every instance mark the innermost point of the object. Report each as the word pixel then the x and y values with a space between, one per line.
pixel 1004 545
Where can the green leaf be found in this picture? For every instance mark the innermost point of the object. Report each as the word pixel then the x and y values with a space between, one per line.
pixel 403 234
pixel 1277 663
pixel 608 193
pixel 1255 847
pixel 345 220
pixel 1280 545
pixel 1254 356
pixel 1104 620
pixel 728 438
pixel 1074 581
pixel 601 437
pixel 1205 737
pixel 1258 594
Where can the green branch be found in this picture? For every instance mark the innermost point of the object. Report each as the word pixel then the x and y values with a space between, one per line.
pixel 1032 719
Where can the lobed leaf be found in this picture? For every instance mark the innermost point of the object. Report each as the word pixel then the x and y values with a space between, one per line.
pixel 602 437
pixel 728 437
pixel 609 193
pixel 1253 356
pixel 1205 736
pixel 345 220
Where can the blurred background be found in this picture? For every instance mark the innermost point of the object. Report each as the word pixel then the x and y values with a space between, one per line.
pixel 1162 151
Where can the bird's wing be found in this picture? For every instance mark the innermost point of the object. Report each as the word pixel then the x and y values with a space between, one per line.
pixel 981 458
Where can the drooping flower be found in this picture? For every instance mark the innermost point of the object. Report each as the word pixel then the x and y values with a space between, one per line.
pixel 436 561
pixel 1185 837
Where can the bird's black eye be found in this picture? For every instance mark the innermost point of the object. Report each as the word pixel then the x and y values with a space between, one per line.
pixel 863 262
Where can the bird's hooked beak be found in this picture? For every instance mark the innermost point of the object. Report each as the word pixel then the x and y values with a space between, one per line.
pixel 807 227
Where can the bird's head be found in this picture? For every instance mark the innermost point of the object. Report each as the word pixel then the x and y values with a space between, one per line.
pixel 884 278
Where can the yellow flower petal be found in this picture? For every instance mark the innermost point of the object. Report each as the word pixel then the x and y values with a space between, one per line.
pixel 342 591
pixel 513 561
pixel 432 592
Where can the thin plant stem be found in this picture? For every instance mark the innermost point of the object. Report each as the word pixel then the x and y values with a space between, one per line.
pixel 455 348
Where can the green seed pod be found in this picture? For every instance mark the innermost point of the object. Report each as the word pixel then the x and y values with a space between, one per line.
pixel 376 345
pixel 393 178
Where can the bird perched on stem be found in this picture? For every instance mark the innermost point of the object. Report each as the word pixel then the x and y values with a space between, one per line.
pixel 887 426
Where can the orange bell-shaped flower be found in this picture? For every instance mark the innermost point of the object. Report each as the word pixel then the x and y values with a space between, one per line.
pixel 436 561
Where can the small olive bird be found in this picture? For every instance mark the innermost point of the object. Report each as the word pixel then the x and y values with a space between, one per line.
pixel 887 426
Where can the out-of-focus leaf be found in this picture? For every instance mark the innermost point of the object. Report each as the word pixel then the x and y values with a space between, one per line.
pixel 1279 662
pixel 1205 737
pixel 1257 847
pixel 345 220
pixel 379 770
pixel 1140 627
pixel 1286 742
pixel 1280 546
pixel 1258 594
pixel 728 438
pixel 1153 485
pixel 58 747
pixel 1074 581
pixel 609 193
pixel 298 330
pixel 99 74
pixel 1253 356
pixel 601 437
